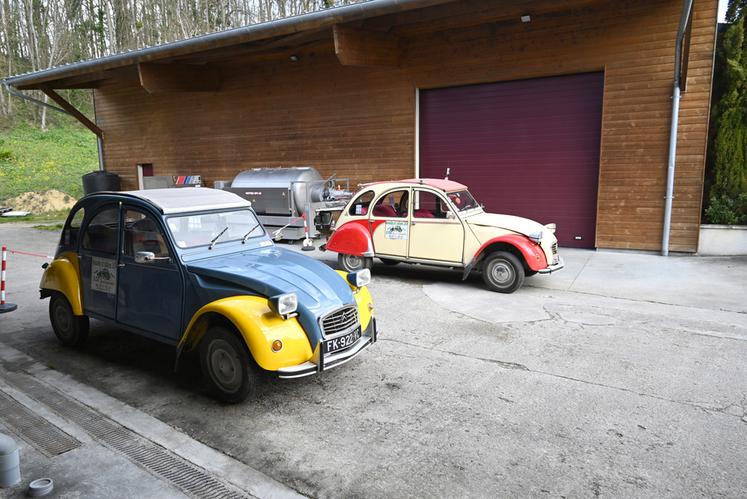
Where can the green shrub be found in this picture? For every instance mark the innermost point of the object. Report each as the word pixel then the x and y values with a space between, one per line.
pixel 728 210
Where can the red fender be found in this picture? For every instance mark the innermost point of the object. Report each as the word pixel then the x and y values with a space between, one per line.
pixel 534 256
pixel 352 238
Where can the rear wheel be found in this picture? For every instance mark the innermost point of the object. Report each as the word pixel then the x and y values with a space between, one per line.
pixel 503 272
pixel 352 263
pixel 227 366
pixel 70 329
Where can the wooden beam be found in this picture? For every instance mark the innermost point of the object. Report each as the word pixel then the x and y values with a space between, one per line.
pixel 72 111
pixel 163 78
pixel 354 47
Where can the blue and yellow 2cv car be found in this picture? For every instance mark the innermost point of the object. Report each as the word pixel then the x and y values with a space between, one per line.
pixel 194 268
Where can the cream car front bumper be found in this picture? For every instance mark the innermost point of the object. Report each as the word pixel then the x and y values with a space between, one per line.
pixel 554 267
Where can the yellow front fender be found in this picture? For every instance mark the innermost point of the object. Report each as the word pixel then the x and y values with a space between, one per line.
pixel 363 300
pixel 63 275
pixel 259 326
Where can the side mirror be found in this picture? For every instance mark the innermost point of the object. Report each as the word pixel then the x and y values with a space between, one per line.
pixel 145 257
pixel 450 215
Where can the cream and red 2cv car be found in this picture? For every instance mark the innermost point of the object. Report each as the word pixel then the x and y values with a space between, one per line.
pixel 438 222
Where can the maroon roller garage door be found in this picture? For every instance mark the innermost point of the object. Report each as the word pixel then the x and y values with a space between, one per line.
pixel 527 148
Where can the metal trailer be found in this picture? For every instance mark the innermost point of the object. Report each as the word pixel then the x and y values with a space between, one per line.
pixel 285 198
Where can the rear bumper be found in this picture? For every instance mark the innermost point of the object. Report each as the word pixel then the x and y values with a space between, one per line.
pixel 553 268
pixel 326 362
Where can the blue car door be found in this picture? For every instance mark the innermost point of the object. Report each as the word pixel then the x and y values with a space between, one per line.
pixel 150 291
pixel 98 262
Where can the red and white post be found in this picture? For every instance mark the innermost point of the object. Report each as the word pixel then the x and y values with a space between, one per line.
pixel 4 307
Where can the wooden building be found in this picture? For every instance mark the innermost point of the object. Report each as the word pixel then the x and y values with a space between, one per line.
pixel 556 110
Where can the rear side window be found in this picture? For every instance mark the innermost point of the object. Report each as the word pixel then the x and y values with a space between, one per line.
pixel 71 232
pixel 101 233
pixel 361 204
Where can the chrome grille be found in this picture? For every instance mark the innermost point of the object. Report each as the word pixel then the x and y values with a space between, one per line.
pixel 554 248
pixel 339 321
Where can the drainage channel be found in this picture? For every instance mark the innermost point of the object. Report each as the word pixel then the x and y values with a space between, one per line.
pixel 190 479
pixel 37 431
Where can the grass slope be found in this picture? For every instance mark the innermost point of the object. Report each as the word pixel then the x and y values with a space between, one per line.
pixel 32 160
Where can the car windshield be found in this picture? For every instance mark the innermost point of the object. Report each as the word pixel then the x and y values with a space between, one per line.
pixel 200 229
pixel 463 200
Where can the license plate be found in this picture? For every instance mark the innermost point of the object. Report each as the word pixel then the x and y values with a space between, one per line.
pixel 342 342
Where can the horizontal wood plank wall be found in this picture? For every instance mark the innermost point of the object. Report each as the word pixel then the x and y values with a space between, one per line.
pixel 359 122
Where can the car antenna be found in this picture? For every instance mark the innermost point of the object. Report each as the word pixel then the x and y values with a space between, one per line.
pixel 448 170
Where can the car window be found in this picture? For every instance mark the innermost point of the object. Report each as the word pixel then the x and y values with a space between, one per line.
pixel 429 205
pixel 392 205
pixel 200 229
pixel 101 232
pixel 142 233
pixel 361 204
pixel 71 232
pixel 463 200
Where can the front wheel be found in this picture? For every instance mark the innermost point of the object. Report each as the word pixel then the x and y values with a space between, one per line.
pixel 70 329
pixel 503 272
pixel 227 366
pixel 352 263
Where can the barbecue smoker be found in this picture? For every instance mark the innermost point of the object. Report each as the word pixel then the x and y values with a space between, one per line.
pixel 283 197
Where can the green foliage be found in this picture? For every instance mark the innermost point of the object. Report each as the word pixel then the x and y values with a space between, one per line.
pixel 38 161
pixel 728 158
pixel 727 210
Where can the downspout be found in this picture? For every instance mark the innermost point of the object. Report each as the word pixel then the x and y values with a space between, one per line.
pixel 687 8
pixel 99 138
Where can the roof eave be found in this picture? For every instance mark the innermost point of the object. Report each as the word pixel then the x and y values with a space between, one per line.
pixel 289 25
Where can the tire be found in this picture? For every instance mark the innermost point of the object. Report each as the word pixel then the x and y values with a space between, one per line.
pixel 227 366
pixel 503 272
pixel 387 261
pixel 351 263
pixel 71 330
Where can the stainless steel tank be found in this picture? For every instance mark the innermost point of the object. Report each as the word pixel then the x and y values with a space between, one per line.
pixel 280 191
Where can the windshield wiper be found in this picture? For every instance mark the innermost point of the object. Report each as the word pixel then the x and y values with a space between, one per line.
pixel 212 242
pixel 246 236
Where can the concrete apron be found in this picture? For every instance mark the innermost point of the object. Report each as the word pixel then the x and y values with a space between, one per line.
pixel 95 464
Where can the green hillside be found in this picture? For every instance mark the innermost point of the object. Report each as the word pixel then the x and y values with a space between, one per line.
pixel 33 160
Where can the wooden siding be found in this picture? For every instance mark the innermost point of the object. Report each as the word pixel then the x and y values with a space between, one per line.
pixel 359 122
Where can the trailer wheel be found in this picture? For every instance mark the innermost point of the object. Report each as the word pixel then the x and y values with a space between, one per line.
pixel 352 263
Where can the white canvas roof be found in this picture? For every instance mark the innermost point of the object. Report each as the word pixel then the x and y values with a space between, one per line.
pixel 186 199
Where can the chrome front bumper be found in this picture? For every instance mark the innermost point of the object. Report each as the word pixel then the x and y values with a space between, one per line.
pixel 553 268
pixel 325 362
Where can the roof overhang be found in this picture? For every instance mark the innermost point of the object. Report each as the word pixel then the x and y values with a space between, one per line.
pixel 80 74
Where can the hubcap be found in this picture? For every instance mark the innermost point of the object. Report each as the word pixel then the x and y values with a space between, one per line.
pixel 225 367
pixel 353 262
pixel 501 273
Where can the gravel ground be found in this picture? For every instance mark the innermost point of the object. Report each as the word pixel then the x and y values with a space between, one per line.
pixel 622 376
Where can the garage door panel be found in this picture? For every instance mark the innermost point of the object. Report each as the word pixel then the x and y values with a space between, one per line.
pixel 527 148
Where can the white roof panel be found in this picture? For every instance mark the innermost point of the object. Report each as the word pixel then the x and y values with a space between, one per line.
pixel 186 199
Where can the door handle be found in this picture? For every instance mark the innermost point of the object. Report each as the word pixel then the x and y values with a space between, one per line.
pixel 120 265
pixel 413 223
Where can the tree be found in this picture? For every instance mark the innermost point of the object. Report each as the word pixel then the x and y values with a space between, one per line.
pixel 728 192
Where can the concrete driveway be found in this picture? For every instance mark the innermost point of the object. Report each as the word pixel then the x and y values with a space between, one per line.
pixel 623 375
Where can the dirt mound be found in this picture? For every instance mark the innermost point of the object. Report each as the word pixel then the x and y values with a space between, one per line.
pixel 41 202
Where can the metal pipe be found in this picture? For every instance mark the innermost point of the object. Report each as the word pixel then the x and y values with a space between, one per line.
pixel 100 149
pixel 687 7
pixel 38 102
